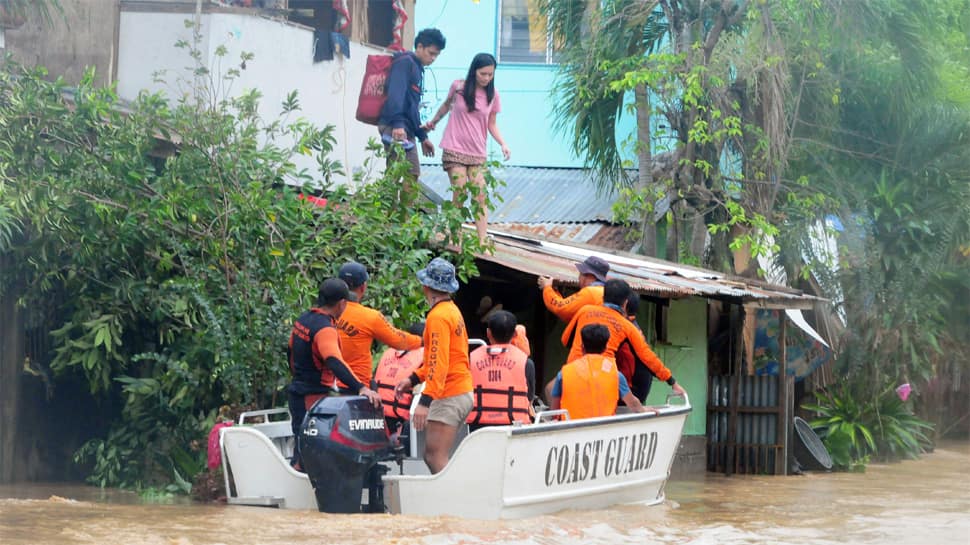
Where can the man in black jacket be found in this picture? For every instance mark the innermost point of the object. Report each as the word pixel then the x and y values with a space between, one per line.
pixel 400 119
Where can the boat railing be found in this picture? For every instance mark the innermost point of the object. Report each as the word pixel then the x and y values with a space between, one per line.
pixel 278 430
pixel 551 414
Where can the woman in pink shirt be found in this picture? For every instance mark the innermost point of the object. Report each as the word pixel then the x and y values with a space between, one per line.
pixel 472 119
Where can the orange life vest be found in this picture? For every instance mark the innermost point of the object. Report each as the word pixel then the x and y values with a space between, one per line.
pixel 501 391
pixel 396 365
pixel 590 387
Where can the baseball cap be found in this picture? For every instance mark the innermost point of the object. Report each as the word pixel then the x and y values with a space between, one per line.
pixel 332 291
pixel 595 266
pixel 354 274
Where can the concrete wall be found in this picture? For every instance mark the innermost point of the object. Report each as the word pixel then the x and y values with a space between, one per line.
pixel 83 35
pixel 526 120
pixel 283 62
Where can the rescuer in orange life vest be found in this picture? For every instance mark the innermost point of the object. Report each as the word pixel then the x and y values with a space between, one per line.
pixel 503 377
pixel 360 325
pixel 589 386
pixel 394 365
pixel 592 276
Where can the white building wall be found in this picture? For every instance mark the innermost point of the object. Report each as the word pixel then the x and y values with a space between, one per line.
pixel 283 63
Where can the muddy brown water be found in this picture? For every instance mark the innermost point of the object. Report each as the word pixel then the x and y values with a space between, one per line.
pixel 925 501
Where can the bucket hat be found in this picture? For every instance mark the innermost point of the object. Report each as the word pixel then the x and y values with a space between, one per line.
pixel 595 266
pixel 439 275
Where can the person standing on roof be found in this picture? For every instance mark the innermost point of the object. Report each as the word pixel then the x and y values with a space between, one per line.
pixel 473 118
pixel 503 376
pixel 315 358
pixel 589 386
pixel 446 399
pixel 592 276
pixel 359 325
pixel 612 314
pixel 400 119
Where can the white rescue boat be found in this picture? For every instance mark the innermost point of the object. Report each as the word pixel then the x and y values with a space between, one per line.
pixel 497 472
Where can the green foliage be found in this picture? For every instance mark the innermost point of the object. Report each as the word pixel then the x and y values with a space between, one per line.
pixel 177 231
pixel 855 428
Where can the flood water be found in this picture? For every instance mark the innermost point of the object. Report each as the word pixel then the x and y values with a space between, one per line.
pixel 924 501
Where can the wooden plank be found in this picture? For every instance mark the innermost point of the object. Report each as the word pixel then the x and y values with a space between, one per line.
pixel 784 398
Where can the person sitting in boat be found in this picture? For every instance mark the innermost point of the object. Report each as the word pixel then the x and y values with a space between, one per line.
pixel 589 386
pixel 503 377
pixel 446 399
pixel 395 364
pixel 637 374
pixel 612 314
pixel 315 358
pixel 359 325
pixel 592 277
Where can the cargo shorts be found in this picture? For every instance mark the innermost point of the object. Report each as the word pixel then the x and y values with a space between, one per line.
pixel 451 410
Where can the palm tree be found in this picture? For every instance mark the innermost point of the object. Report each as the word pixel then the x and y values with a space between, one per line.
pixel 589 37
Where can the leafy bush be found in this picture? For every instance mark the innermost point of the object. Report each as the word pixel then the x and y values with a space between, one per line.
pixel 854 429
pixel 177 237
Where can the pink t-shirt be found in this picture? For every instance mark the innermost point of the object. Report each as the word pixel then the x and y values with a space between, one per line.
pixel 467 131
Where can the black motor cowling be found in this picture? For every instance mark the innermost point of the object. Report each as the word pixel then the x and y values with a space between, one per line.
pixel 341 441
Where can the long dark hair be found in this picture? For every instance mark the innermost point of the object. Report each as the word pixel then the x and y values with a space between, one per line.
pixel 481 60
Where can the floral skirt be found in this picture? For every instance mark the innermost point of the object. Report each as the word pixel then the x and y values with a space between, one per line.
pixel 453 159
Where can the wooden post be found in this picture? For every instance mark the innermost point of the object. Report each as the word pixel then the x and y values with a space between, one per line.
pixel 734 398
pixel 784 395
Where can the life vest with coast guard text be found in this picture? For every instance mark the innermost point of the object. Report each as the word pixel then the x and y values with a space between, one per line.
pixel 396 365
pixel 501 390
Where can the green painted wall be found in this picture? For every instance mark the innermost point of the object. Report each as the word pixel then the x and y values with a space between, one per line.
pixel 686 357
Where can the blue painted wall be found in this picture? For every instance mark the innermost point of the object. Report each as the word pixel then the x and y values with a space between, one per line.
pixel 526 120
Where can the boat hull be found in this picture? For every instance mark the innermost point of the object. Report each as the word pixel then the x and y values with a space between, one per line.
pixel 500 472
pixel 524 471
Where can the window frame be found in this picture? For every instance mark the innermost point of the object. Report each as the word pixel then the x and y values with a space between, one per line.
pixel 550 53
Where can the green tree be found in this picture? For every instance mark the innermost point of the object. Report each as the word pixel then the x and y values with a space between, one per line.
pixel 176 236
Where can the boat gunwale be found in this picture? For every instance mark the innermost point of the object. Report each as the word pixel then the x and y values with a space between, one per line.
pixel 600 421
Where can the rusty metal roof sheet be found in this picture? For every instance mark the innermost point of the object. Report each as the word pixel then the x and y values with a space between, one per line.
pixel 646 275
pixel 600 234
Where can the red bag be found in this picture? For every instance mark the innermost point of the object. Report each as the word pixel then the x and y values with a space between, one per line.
pixel 373 88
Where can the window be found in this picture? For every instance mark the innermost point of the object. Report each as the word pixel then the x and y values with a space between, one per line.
pixel 523 34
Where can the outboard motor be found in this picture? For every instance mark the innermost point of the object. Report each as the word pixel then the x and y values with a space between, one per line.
pixel 341 441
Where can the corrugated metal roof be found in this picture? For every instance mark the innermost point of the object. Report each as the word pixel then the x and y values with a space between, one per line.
pixel 537 195
pixel 648 276
pixel 599 234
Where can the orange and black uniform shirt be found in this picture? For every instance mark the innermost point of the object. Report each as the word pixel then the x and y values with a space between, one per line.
pixel 315 358
pixel 621 329
pixel 445 371
pixel 566 307
pixel 358 327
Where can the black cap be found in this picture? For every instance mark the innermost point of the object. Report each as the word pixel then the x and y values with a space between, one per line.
pixel 354 274
pixel 332 291
pixel 595 266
